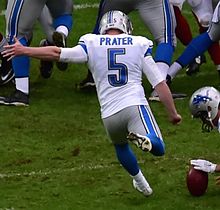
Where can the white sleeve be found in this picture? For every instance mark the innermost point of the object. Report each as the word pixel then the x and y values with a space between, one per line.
pixel 151 71
pixel 74 55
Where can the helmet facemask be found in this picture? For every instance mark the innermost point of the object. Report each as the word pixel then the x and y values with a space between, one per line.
pixel 204 104
pixel 207 124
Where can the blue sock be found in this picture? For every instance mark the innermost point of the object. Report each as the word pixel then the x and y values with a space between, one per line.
pixel 158 146
pixel 195 48
pixel 127 158
pixel 21 64
pixel 164 53
pixel 65 20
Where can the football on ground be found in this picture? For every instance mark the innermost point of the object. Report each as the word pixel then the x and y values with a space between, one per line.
pixel 197 181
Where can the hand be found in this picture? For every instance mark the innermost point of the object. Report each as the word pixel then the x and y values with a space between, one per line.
pixel 13 50
pixel 176 120
pixel 203 165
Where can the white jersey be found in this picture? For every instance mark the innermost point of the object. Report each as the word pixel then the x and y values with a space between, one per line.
pixel 116 63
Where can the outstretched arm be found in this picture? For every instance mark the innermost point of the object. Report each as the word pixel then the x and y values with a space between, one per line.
pixel 17 49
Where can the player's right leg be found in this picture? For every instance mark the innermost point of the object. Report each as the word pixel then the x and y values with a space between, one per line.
pixel 116 128
pixel 144 131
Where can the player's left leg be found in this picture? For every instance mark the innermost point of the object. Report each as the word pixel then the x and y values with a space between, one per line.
pixel 20 18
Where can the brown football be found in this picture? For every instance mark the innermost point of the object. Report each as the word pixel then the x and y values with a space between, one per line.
pixel 197 181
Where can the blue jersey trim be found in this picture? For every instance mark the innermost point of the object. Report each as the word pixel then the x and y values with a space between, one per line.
pixel 13 22
pixel 82 44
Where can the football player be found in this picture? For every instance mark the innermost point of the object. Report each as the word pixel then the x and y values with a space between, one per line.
pixel 116 60
pixel 205 104
pixel 20 18
pixel 198 45
pixel 157 16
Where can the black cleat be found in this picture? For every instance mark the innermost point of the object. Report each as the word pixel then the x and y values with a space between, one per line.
pixel 194 67
pixel 6 71
pixel 46 67
pixel 18 98
pixel 88 83
pixel 7 77
pixel 60 41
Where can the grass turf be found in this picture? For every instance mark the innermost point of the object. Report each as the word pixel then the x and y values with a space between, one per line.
pixel 55 153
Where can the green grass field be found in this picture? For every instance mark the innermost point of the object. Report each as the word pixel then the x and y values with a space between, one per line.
pixel 55 154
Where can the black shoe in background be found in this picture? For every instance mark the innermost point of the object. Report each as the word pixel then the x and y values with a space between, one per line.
pixel 46 67
pixel 60 41
pixel 88 83
pixel 18 98
pixel 194 67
